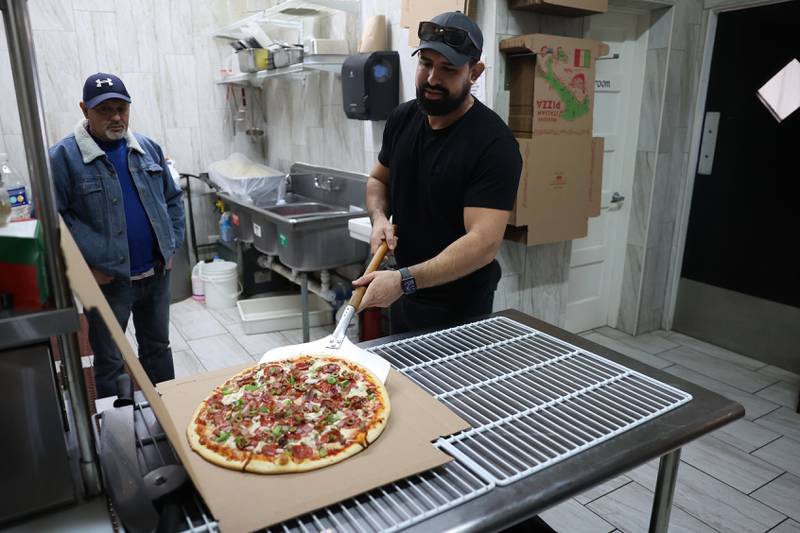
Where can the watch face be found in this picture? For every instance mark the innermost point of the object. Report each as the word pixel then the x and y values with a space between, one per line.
pixel 409 285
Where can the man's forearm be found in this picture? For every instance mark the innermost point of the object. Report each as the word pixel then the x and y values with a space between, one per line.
pixel 464 256
pixel 377 199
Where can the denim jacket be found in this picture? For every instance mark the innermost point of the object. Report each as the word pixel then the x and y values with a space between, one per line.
pixel 89 198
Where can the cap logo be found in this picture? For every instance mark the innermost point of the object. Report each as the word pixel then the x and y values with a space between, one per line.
pixel 100 82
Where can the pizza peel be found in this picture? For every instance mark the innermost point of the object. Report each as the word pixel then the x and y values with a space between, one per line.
pixel 337 343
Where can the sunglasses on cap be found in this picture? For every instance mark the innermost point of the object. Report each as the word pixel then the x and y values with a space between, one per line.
pixel 455 37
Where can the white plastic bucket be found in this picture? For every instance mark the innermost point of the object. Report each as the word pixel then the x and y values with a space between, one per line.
pixel 221 285
pixel 198 290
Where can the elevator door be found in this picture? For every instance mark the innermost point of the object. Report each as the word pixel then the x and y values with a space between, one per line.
pixel 739 286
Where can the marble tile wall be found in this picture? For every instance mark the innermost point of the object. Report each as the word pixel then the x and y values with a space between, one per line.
pixel 164 53
pixel 683 53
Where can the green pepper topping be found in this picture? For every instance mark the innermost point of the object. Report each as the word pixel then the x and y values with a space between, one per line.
pixel 238 404
pixel 345 383
pixel 276 431
pixel 225 391
pixel 292 381
pixel 223 436
pixel 323 452
pixel 331 380
pixel 347 403
pixel 241 442
pixel 251 387
pixel 263 409
pixel 330 419
pixel 371 396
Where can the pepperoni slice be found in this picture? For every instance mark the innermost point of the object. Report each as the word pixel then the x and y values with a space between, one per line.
pixel 357 402
pixel 331 368
pixel 269 449
pixel 302 451
pixel 334 435
pixel 331 404
pixel 302 365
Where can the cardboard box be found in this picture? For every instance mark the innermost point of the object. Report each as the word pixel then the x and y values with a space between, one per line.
pixel 412 12
pixel 244 501
pixel 554 188
pixel 596 176
pixel 551 101
pixel 22 261
pixel 565 8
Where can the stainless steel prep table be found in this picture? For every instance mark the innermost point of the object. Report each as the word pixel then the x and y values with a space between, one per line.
pixel 480 505
pixel 660 437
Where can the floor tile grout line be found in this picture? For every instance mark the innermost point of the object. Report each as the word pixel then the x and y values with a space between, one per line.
pixel 767 483
pixel 777 408
pixel 740 491
pixel 778 524
pixel 768 386
pixel 768 505
pixel 607 493
pixel 721 382
pixel 779 437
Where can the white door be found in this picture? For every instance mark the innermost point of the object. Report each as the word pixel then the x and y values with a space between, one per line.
pixel 597 262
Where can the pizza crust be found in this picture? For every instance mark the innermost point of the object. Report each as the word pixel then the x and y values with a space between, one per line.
pixel 262 464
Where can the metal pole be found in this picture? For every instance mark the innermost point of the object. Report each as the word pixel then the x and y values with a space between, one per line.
pixel 29 101
pixel 304 302
pixel 665 490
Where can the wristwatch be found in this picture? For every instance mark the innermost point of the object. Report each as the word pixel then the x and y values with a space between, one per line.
pixel 407 281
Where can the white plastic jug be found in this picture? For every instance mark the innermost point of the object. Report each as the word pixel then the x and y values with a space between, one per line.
pixel 198 291
pixel 220 284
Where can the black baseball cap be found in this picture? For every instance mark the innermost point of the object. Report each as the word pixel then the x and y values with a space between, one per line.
pixel 456 19
pixel 101 87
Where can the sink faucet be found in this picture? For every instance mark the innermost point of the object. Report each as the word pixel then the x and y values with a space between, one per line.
pixel 282 186
pixel 326 183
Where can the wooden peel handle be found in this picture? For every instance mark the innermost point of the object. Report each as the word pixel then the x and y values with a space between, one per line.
pixel 358 294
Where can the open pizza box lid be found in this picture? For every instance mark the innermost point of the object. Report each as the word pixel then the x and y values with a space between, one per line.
pixel 244 501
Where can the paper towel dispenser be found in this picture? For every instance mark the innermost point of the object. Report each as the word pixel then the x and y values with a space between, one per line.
pixel 371 85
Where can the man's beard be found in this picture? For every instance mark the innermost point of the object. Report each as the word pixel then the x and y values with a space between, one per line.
pixel 446 105
pixel 115 135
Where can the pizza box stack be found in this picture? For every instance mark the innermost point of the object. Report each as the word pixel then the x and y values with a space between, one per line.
pixel 246 501
pixel 551 100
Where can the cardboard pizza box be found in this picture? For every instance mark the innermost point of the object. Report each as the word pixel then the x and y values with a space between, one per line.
pixel 244 501
pixel 551 103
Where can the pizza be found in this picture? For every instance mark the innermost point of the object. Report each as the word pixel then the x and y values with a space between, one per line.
pixel 290 415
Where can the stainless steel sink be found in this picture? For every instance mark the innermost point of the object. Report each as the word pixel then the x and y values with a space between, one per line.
pixel 307 228
pixel 305 209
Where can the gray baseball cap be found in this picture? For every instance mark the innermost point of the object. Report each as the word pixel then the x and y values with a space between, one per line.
pixel 457 55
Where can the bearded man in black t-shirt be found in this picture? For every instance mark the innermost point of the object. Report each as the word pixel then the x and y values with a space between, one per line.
pixel 447 173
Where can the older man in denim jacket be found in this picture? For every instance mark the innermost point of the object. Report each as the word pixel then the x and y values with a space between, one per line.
pixel 116 194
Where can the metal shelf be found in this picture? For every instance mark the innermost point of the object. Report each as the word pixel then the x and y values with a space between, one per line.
pixel 290 14
pixel 20 328
pixel 321 62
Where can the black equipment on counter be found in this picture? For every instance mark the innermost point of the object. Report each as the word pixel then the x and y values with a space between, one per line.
pixel 371 85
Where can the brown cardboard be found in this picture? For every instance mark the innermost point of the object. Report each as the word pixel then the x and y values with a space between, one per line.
pixel 554 188
pixel 566 8
pixel 243 501
pixel 412 12
pixel 596 177
pixel 551 103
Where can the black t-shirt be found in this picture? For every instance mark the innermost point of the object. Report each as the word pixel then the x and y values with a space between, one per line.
pixel 435 174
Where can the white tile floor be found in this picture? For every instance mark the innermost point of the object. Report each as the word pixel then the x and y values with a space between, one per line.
pixel 743 478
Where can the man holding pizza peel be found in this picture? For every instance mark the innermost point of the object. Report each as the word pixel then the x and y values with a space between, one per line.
pixel 447 174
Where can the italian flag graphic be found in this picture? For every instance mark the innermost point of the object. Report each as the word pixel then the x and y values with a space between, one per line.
pixel 583 58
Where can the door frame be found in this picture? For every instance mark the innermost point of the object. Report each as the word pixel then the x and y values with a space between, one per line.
pixel 685 204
